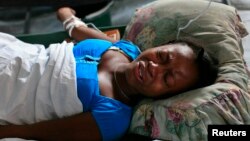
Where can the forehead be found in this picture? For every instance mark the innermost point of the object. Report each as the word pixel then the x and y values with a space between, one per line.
pixel 180 49
pixel 187 73
pixel 184 58
pixel 184 65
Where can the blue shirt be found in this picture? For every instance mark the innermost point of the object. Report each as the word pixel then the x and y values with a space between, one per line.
pixel 112 116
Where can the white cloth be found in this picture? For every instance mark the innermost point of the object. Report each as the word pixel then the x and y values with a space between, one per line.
pixel 36 84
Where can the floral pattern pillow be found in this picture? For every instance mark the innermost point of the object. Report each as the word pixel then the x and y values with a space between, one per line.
pixel 186 118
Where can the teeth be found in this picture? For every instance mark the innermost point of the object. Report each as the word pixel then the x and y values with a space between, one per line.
pixel 140 73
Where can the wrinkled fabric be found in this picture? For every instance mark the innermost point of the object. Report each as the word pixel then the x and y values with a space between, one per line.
pixel 36 83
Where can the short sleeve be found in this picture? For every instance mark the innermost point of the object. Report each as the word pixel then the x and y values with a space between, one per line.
pixel 92 47
pixel 129 48
pixel 112 117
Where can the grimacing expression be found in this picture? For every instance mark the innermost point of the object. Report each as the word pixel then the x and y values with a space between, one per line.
pixel 164 70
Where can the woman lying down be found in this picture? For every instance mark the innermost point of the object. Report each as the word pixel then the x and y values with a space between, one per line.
pixel 87 90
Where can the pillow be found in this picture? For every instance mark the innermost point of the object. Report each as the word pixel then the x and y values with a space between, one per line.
pixel 218 28
pixel 219 31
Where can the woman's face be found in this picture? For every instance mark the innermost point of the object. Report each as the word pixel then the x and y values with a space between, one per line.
pixel 167 69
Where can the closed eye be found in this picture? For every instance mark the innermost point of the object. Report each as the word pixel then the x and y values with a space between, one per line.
pixel 160 56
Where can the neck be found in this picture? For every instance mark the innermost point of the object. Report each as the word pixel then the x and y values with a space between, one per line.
pixel 120 83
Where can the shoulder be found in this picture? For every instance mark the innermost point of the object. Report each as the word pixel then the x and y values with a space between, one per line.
pixel 128 48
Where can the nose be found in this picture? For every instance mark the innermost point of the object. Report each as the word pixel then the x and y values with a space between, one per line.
pixel 155 68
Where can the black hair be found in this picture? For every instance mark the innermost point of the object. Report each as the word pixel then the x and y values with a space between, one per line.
pixel 208 68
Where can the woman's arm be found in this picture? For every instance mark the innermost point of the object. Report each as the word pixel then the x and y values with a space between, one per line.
pixel 81 32
pixel 75 128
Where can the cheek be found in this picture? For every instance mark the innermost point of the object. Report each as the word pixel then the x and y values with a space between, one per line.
pixel 190 80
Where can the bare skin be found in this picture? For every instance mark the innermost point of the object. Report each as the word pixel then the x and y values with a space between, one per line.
pixel 81 33
pixel 154 73
pixel 71 128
